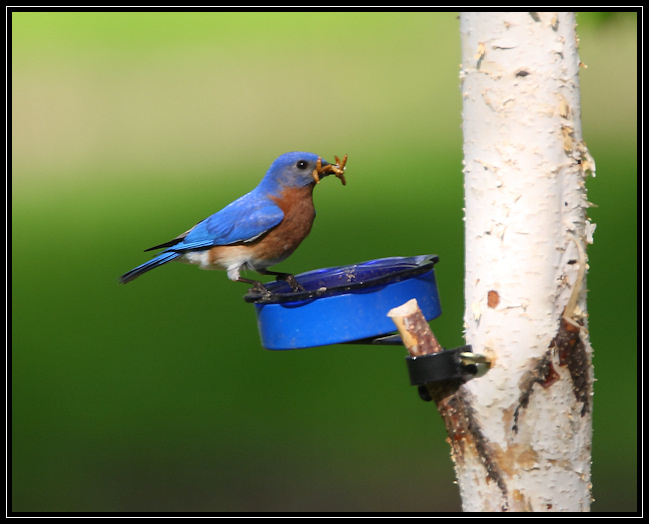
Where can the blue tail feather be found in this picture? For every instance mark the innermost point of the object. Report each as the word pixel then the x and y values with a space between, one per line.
pixel 162 258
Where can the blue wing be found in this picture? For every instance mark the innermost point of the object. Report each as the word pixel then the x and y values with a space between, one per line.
pixel 243 220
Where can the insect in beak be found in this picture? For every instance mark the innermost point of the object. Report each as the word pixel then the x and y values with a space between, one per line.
pixel 337 169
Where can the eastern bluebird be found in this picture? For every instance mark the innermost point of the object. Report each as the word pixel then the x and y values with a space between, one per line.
pixel 258 230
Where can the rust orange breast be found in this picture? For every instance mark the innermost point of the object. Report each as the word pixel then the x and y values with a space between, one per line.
pixel 278 243
pixel 283 239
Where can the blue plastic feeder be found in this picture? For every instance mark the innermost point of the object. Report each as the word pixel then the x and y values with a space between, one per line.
pixel 344 304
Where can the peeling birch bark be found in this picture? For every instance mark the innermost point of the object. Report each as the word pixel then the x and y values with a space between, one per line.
pixel 526 444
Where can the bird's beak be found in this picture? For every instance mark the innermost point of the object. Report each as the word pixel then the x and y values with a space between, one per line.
pixel 324 168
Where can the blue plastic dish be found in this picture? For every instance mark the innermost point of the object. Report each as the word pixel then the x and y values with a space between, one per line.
pixel 346 303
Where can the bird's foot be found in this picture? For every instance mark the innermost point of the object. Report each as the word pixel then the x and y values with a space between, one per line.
pixel 284 277
pixel 259 288
pixel 296 287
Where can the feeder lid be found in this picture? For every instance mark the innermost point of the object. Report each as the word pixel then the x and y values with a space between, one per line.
pixel 345 303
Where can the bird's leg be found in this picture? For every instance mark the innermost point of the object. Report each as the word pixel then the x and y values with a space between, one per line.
pixel 256 286
pixel 286 277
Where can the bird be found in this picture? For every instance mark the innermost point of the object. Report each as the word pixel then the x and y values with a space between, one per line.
pixel 257 230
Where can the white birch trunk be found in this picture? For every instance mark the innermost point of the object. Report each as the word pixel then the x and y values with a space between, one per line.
pixel 528 446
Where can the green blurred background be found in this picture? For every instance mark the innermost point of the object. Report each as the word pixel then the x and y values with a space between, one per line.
pixel 129 128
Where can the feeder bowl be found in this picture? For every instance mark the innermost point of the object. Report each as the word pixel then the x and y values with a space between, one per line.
pixel 344 304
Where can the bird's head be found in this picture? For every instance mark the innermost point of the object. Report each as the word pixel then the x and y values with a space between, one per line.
pixel 299 169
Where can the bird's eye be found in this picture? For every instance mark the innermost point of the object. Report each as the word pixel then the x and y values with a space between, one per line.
pixel 301 164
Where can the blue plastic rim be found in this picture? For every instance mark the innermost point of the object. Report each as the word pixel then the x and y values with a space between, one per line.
pixel 345 303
